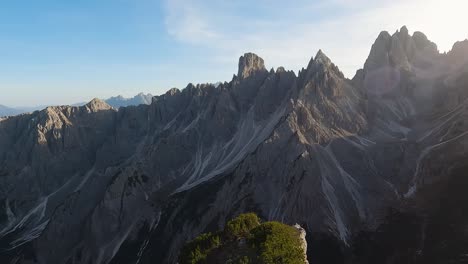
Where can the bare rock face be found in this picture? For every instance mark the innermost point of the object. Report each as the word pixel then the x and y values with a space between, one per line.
pixel 94 184
pixel 457 57
pixel 97 105
pixel 401 50
pixel 303 234
pixel 249 64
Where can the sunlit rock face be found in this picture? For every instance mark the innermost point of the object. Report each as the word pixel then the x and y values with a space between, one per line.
pixel 249 64
pixel 95 184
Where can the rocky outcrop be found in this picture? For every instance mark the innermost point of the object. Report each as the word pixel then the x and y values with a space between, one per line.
pixel 249 64
pixel 401 50
pixel 303 234
pixel 97 105
pixel 94 184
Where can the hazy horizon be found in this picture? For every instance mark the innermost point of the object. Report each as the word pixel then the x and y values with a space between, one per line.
pixel 56 53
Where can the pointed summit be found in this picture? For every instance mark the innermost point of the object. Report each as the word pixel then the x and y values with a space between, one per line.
pixel 248 64
pixel 384 35
pixel 321 58
pixel 97 105
pixel 404 30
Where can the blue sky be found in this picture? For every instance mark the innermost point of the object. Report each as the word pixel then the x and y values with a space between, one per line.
pixel 62 52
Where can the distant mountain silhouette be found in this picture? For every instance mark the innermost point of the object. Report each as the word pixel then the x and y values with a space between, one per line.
pixel 116 102
pixel 120 101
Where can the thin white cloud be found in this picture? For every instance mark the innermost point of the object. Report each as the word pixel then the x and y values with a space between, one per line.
pixel 187 23
pixel 288 35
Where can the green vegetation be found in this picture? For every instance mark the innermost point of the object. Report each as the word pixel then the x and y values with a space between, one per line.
pixel 241 226
pixel 245 240
pixel 197 250
pixel 277 243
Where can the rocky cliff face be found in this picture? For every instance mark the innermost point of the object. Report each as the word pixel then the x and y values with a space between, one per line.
pixel 93 184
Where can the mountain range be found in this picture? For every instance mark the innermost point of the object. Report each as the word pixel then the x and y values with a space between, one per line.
pixel 373 168
pixel 12 111
pixel 116 102
pixel 7 111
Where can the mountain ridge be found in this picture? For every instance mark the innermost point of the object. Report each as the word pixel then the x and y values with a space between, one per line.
pixel 318 149
pixel 115 101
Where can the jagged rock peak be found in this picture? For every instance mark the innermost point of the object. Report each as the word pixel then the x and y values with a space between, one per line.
pixel 401 50
pixel 402 35
pixel 458 55
pixel 421 41
pixel 97 105
pixel 248 64
pixel 172 91
pixel 460 48
pixel 322 63
pixel 280 69
pixel 404 30
pixel 321 58
pixel 384 35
